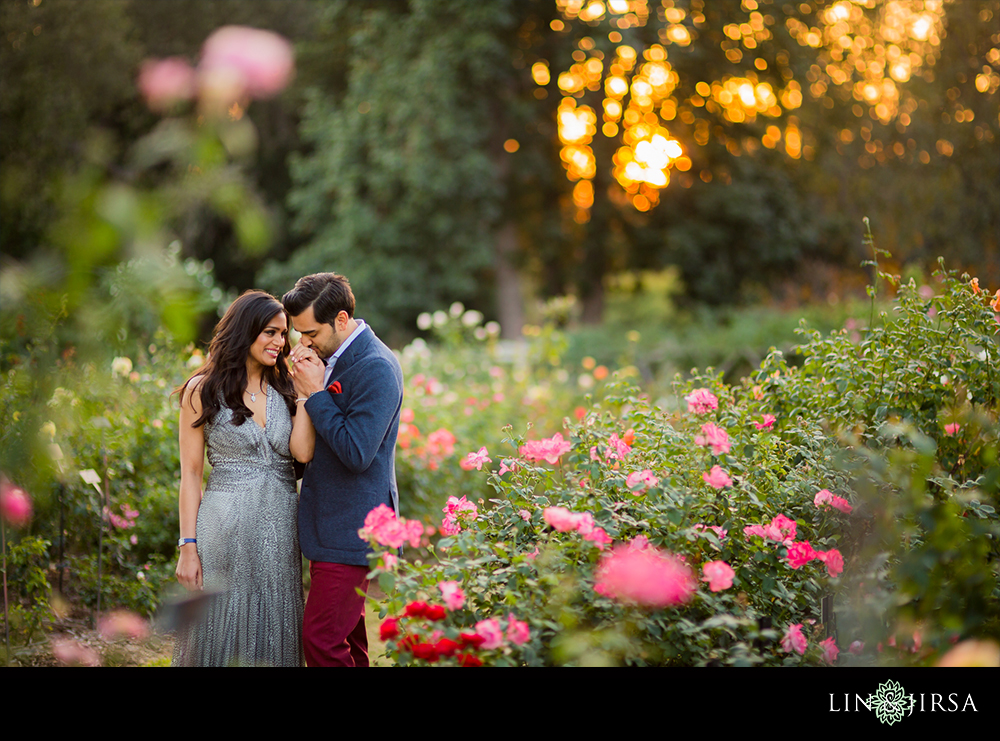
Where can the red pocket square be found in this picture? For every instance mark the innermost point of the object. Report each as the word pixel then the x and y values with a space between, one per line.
pixel 334 388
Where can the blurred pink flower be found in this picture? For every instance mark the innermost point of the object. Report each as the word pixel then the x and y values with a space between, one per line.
pixel 440 443
pixel 801 553
pixel 645 479
pixel 972 652
pixel 952 429
pixel 598 537
pixel 856 648
pixel 518 632
pixel 475 460
pixel 767 423
pixel 550 449
pixel 794 640
pixel 561 519
pixel 701 401
pixel 717 478
pixel 165 82
pixel 647 577
pixel 406 415
pixel 492 633
pixel 452 594
pixel 15 506
pixel 73 653
pixel 262 61
pixel 825 497
pixel 718 574
pixel 389 560
pixel 122 623
pixel 524 514
pixel 713 436
pixel 830 650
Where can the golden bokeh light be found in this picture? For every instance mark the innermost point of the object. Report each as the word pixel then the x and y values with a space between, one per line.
pixel 864 54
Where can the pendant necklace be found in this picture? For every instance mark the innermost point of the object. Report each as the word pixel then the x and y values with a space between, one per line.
pixel 253 395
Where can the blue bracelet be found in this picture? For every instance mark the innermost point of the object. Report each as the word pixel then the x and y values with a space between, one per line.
pixel 185 541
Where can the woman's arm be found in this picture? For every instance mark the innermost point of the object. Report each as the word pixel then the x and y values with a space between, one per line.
pixel 192 451
pixel 303 440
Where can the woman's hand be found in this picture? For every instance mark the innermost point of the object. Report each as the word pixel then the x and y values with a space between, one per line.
pixel 188 570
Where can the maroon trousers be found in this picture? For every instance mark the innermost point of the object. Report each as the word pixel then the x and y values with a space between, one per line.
pixel 333 626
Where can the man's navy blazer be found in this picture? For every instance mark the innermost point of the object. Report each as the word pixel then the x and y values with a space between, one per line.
pixel 353 467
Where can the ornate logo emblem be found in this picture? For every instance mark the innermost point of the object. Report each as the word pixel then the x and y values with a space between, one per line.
pixel 890 702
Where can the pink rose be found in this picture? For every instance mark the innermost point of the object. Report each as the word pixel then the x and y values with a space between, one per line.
pixel 261 61
pixel 833 560
pixel 767 423
pixel 549 450
pixel 491 633
pixel 164 82
pixel 826 498
pixel 713 436
pixel 717 478
pixel 645 479
pixel 647 577
pixel 718 574
pixel 598 537
pixel 15 506
pixel 830 650
pixel 801 553
pixel 561 519
pixel 794 640
pixel 518 632
pixel 701 401
pixel 475 460
pixel 452 594
pixel 122 623
pixel 952 429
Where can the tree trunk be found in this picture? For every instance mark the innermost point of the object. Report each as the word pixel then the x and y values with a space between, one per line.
pixel 510 302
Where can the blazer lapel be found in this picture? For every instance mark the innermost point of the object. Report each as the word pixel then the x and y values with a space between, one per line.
pixel 357 349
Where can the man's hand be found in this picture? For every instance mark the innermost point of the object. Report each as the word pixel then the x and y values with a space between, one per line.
pixel 307 370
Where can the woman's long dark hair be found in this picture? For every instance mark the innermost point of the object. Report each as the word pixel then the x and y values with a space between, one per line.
pixel 224 373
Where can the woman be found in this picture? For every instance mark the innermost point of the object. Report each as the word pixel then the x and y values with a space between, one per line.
pixel 240 539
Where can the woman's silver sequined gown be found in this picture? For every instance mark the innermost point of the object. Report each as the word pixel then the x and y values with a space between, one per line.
pixel 249 547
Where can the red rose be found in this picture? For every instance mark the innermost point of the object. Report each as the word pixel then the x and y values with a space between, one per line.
pixel 416 609
pixel 406 643
pixel 425 651
pixel 471 639
pixel 446 647
pixel 469 660
pixel 334 388
pixel 389 629
pixel 435 612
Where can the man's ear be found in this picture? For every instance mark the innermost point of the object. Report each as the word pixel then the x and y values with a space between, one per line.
pixel 340 322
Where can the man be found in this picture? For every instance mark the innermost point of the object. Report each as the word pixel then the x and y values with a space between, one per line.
pixel 351 386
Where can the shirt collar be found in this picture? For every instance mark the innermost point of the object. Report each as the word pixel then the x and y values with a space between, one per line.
pixel 332 360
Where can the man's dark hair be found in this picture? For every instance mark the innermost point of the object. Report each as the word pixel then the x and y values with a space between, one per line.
pixel 328 294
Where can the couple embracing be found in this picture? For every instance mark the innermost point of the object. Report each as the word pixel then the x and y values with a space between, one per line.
pixel 256 407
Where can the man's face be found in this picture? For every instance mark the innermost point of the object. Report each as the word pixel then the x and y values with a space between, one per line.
pixel 322 338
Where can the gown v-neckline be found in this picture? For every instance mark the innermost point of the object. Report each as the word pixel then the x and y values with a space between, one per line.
pixel 267 401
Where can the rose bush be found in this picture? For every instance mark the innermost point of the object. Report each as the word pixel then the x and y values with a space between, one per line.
pixel 780 521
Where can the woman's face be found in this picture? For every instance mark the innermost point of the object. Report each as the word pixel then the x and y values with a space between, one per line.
pixel 267 348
